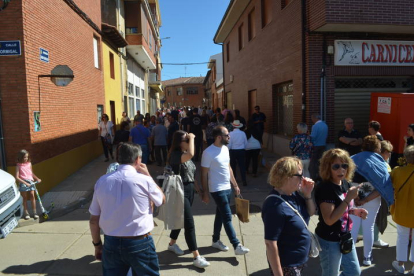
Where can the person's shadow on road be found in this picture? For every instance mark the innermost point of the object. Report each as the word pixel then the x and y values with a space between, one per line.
pixel 85 264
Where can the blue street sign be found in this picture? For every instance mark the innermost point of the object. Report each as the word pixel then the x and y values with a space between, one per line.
pixel 44 55
pixel 10 48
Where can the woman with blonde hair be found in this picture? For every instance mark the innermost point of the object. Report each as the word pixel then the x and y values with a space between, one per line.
pixel 401 210
pixel 283 226
pixel 334 196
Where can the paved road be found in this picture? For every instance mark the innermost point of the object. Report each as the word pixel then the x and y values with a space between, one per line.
pixel 63 246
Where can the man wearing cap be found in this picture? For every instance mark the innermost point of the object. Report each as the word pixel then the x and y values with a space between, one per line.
pixel 140 135
pixel 121 208
pixel 237 148
pixel 159 135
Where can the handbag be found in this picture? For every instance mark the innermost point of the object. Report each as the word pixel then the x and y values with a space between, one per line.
pixel 242 208
pixel 315 247
pixel 345 240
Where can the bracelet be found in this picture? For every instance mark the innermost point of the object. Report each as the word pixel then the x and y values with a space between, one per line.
pixel 98 243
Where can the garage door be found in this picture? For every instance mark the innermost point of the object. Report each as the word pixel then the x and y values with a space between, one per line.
pixel 353 98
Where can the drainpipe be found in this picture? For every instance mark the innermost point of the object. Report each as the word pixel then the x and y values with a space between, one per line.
pixel 323 81
pixel 2 148
pixel 304 30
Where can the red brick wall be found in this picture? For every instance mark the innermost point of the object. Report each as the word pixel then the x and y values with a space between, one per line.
pixel 272 57
pixel 68 114
pixel 13 84
pixel 190 100
pixel 392 12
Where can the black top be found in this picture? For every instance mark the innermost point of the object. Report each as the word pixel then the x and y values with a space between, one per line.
pixel 410 141
pixel 172 128
pixel 351 149
pixel 259 117
pixel 331 193
pixel 252 131
pixel 196 124
pixel 184 123
pixel 379 136
pixel 186 170
pixel 121 136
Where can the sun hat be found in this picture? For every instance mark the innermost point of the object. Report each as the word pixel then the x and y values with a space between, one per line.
pixel 237 124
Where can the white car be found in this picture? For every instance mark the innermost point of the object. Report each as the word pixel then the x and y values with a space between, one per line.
pixel 11 204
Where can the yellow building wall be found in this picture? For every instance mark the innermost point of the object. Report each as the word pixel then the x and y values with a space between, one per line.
pixel 56 169
pixel 112 86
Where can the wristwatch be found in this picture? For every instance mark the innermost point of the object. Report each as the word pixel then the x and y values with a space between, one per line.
pixel 97 244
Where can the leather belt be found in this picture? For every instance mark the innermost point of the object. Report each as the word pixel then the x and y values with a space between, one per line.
pixel 136 237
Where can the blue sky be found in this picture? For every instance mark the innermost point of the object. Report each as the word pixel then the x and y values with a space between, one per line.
pixel 191 24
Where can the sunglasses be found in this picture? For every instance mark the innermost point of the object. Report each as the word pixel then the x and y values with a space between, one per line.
pixel 335 167
pixel 227 135
pixel 300 175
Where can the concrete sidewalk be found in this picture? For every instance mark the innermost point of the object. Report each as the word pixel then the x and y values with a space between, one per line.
pixel 76 192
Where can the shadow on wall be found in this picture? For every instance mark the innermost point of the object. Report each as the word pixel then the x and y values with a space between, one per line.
pixel 55 159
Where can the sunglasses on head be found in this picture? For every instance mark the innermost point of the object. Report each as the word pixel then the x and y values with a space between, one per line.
pixel 337 166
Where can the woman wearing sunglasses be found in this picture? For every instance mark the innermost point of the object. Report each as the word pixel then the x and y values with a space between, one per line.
pixel 286 236
pixel 334 197
pixel 181 152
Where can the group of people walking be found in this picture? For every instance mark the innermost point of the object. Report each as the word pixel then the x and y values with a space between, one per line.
pixel 345 186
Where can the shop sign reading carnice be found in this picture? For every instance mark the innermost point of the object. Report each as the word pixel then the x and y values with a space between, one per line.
pixel 374 53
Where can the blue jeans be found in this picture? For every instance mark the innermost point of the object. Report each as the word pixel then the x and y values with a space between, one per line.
pixel 145 153
pixel 331 259
pixel 223 217
pixel 119 254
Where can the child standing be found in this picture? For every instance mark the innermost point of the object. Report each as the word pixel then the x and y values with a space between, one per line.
pixel 25 177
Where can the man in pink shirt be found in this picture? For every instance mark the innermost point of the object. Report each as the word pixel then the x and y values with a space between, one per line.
pixel 122 208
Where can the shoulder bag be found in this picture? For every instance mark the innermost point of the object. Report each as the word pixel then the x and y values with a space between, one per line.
pixel 315 247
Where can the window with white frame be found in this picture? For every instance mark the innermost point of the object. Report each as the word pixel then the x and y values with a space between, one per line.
pixel 136 100
pixel 96 52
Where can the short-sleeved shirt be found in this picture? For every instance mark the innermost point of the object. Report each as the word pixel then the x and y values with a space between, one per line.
pixel 259 117
pixel 140 135
pixel 353 134
pixel 283 225
pixel 196 124
pixel 329 192
pixel 122 200
pixel 319 134
pixel 379 136
pixel 105 129
pixel 217 159
pixel 186 170
pixel 160 133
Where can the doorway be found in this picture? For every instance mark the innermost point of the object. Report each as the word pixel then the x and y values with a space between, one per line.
pixel 113 114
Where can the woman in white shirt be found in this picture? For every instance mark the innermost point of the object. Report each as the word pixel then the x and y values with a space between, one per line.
pixel 253 148
pixel 106 133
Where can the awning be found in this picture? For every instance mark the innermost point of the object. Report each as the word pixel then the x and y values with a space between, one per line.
pixel 112 33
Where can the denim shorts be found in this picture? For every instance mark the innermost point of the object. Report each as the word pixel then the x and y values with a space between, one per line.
pixel 24 188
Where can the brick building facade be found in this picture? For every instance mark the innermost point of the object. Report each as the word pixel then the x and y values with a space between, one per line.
pixel 184 92
pixel 68 115
pixel 282 56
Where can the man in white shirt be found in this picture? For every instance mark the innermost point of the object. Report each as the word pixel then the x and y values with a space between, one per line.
pixel 216 176
pixel 122 208
pixel 237 146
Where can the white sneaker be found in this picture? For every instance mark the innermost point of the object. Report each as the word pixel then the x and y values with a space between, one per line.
pixel 241 250
pixel 380 244
pixel 399 268
pixel 200 262
pixel 220 246
pixel 176 249
pixel 367 261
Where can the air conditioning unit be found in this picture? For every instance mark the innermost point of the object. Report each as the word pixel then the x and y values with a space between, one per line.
pixel 231 78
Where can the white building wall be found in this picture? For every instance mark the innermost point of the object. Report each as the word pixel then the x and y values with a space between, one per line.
pixel 136 99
